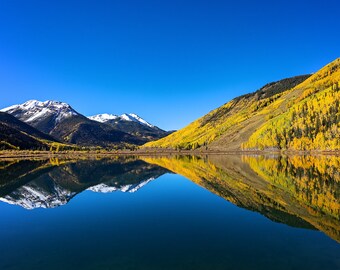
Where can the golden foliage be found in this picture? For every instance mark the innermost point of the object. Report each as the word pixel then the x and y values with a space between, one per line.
pixel 311 121
pixel 314 181
pixel 306 117
pixel 307 187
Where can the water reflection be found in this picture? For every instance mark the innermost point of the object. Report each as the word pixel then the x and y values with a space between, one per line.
pixel 300 191
pixel 51 183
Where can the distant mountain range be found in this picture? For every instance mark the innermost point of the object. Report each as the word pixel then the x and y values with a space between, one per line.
pixel 298 113
pixel 131 117
pixel 60 122
pixel 133 124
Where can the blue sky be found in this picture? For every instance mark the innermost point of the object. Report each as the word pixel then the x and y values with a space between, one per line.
pixel 168 61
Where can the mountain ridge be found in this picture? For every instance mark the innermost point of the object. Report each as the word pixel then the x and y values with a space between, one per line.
pixel 17 135
pixel 132 124
pixel 62 123
pixel 105 117
pixel 43 115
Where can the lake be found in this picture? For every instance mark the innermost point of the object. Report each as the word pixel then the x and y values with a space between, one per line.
pixel 176 212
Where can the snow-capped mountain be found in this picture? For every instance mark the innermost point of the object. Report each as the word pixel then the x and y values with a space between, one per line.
pixel 34 110
pixel 132 124
pixel 63 123
pixel 105 117
pixel 33 195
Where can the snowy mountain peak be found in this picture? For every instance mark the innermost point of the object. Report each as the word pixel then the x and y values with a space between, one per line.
pixel 140 120
pixel 48 103
pixel 102 118
pixel 127 117
pixel 33 110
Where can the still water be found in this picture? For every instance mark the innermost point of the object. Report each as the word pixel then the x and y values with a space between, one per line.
pixel 179 212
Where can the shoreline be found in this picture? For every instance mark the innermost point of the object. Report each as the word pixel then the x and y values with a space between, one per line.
pixel 154 152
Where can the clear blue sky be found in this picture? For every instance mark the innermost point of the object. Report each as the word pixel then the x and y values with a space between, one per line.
pixel 168 61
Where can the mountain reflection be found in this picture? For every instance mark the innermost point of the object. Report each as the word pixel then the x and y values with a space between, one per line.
pixel 300 191
pixel 47 184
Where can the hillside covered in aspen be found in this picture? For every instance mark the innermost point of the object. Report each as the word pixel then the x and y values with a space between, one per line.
pixel 299 113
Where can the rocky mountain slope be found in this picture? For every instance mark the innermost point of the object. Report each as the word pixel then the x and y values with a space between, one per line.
pixel 15 134
pixel 63 123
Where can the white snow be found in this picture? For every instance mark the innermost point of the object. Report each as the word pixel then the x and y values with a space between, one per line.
pixel 33 196
pixel 103 188
pixel 132 117
pixel 104 117
pixel 126 117
pixel 141 120
pixel 33 110
pixel 37 115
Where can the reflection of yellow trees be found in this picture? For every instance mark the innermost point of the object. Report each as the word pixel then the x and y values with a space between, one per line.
pixel 191 167
pixel 322 164
pixel 305 187
pixel 205 173
pixel 54 161
pixel 314 181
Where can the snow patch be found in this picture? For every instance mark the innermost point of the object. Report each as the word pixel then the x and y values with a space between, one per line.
pixel 103 188
pixel 104 117
pixel 131 117
pixel 31 197
pixel 34 110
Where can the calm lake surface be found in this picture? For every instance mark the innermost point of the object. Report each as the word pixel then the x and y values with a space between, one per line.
pixel 179 212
